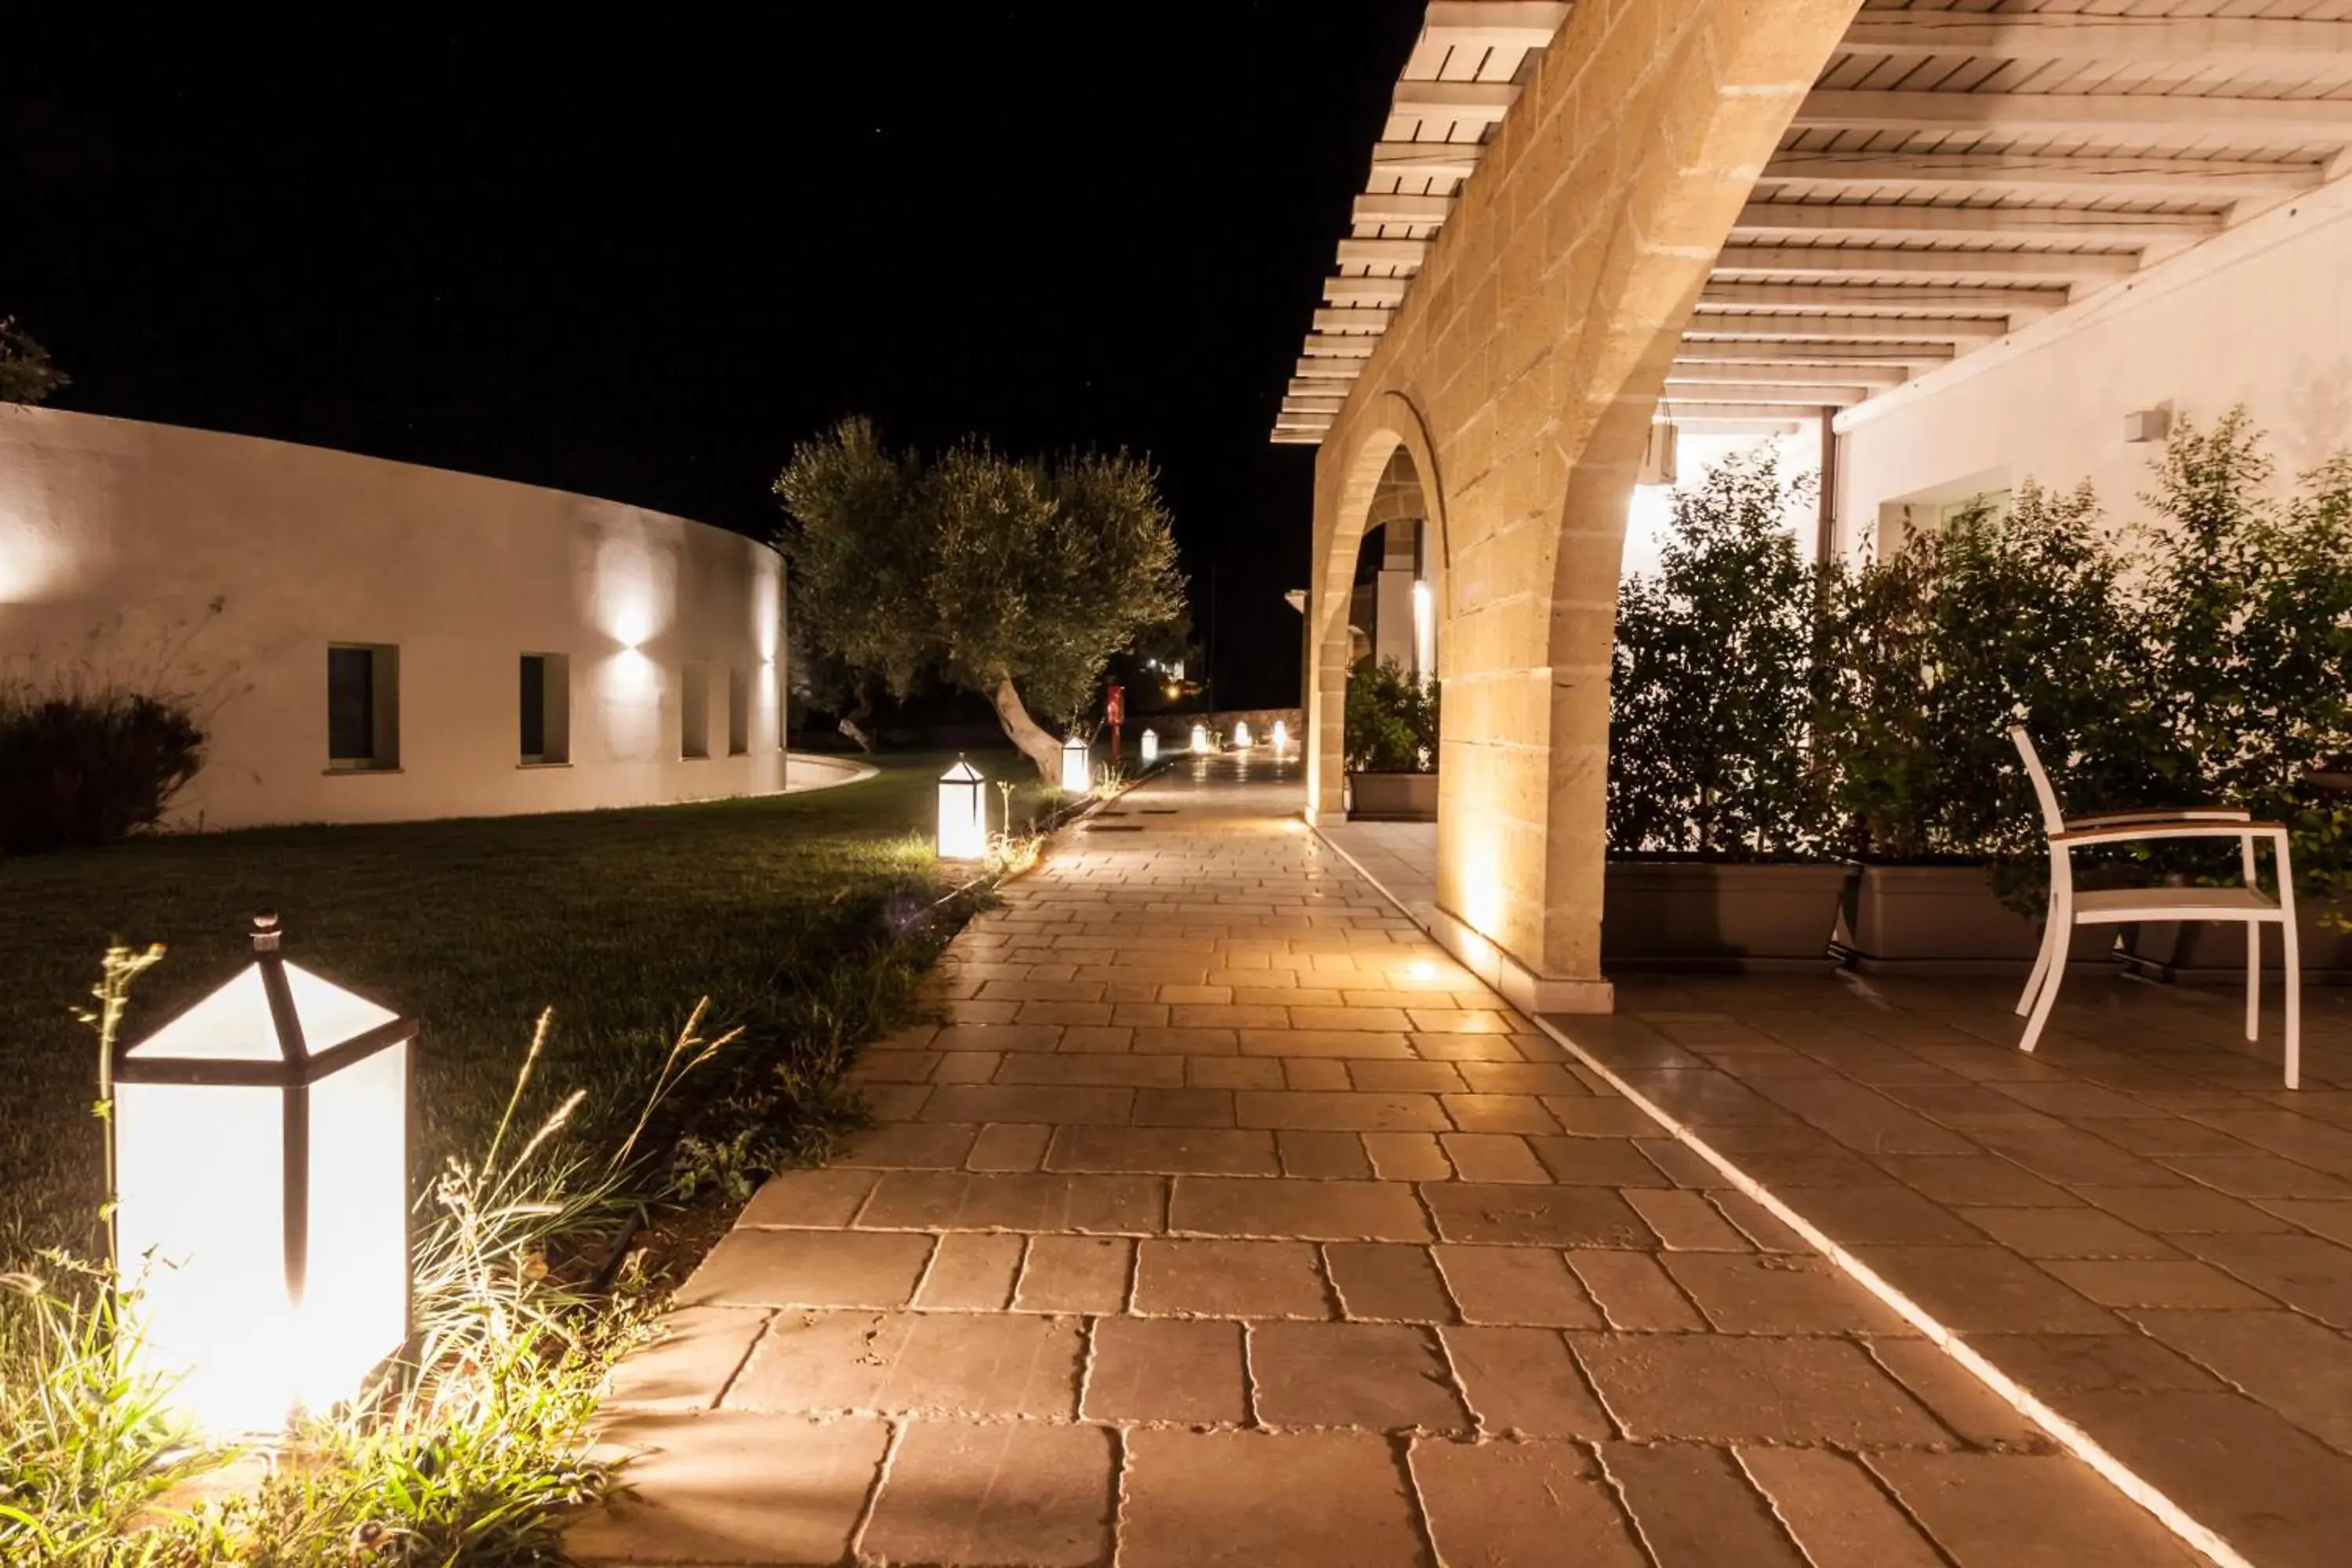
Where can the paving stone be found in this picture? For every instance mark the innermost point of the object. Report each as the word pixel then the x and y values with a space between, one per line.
pixel 2308 1273
pixel 926 1200
pixel 1986 1290
pixel 916 1146
pixel 1388 1282
pixel 1498 1114
pixel 1751 1389
pixel 1334 1046
pixel 1502 1503
pixel 1524 1078
pixel 808 1269
pixel 1184 1107
pixel 1493 1157
pixel 1634 1294
pixel 2153 1282
pixel 1340 1111
pixel 1974 1179
pixel 914 1363
pixel 1249 1499
pixel 1167 1369
pixel 689 1366
pixel 2066 1233
pixel 825 1198
pixel 1310 1076
pixel 1383 1376
pixel 999 1037
pixel 1609 1117
pixel 991 1103
pixel 2169 1210
pixel 971 1271
pixel 1009 1147
pixel 1895 1216
pixel 1760 1226
pixel 1174 1151
pixel 1229 1280
pixel 1540 1217
pixel 1517 1285
pixel 1975 1413
pixel 2019 1511
pixel 1075 1274
pixel 1407 1156
pixel 895 1102
pixel 1018 1493
pixel 1093 1069
pixel 1232 1072
pixel 1312 1211
pixel 728 1488
pixel 1110 1038
pixel 2295 1366
pixel 1324 1154
pixel 1158 1040
pixel 2330 1218
pixel 2258 1176
pixel 1694 1508
pixel 1687 1221
pixel 1597 1161
pixel 1524 1382
pixel 1778 1293
pixel 2126 1363
pixel 1408 1077
pixel 1837 1514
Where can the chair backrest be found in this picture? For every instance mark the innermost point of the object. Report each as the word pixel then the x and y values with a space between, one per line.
pixel 2052 819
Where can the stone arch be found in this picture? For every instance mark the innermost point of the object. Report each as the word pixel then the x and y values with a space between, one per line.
pixel 1395 431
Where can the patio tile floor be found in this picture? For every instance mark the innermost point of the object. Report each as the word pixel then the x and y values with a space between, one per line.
pixel 1266 1264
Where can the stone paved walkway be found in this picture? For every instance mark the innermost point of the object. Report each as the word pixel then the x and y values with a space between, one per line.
pixel 1224 1220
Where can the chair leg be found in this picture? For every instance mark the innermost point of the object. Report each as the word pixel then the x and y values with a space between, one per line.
pixel 2050 938
pixel 2253 980
pixel 2047 996
pixel 2293 997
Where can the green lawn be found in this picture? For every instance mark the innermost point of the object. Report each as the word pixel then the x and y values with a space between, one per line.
pixel 785 911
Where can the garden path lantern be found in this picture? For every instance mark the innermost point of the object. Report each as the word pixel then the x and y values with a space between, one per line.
pixel 1200 737
pixel 1150 747
pixel 261 1193
pixel 1077 767
pixel 1240 734
pixel 1281 736
pixel 964 814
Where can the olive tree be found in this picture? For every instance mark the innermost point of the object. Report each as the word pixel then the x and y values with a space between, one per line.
pixel 1014 579
pixel 26 375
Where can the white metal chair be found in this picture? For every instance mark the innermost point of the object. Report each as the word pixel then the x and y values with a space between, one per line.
pixel 2247 904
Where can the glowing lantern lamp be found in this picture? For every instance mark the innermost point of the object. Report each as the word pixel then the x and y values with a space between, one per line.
pixel 1241 733
pixel 1150 747
pixel 964 814
pixel 1200 737
pixel 1077 767
pixel 261 1193
pixel 1281 736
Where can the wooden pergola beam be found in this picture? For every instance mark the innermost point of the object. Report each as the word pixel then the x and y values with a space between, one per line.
pixel 1426 160
pixel 1408 253
pixel 2044 173
pixel 1880 297
pixel 2234 43
pixel 1393 207
pixel 1863 376
pixel 1494 24
pixel 1763 352
pixel 1889 220
pixel 1800 394
pixel 2148 120
pixel 1849 329
pixel 1849 260
pixel 1387 292
pixel 1474 102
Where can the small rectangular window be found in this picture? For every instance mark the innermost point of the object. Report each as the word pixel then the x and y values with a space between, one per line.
pixel 738 712
pixel 694 711
pixel 363 707
pixel 545 699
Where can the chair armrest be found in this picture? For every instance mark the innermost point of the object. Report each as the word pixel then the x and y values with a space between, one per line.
pixel 2123 832
pixel 2161 814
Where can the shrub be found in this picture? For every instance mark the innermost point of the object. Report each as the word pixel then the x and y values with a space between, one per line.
pixel 90 768
pixel 1712 687
pixel 1392 721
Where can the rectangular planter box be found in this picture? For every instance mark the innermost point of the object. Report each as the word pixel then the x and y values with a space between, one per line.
pixel 1702 915
pixel 2205 953
pixel 1392 797
pixel 1945 919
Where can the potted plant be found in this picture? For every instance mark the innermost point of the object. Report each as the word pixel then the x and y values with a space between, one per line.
pixel 1719 847
pixel 2007 615
pixel 2249 609
pixel 1391 743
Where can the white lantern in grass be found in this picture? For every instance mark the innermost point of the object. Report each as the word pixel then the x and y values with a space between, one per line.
pixel 1200 737
pixel 261 1193
pixel 1077 767
pixel 1240 734
pixel 964 814
pixel 1150 747
pixel 1281 736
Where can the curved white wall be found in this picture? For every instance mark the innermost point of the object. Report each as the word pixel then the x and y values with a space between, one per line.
pixel 116 538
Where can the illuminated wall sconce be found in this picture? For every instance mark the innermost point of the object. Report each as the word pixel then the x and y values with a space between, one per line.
pixel 261 1193
pixel 1281 736
pixel 964 814
pixel 1200 737
pixel 1150 747
pixel 1077 767
pixel 1424 632
pixel 1240 734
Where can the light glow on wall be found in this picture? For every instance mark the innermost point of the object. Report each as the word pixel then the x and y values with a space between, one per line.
pixel 964 814
pixel 1077 767
pixel 1424 632
pixel 262 1198
pixel 1150 747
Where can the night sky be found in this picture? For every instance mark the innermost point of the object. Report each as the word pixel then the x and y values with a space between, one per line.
pixel 641 259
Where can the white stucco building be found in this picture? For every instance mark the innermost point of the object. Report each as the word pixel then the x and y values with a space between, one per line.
pixel 373 641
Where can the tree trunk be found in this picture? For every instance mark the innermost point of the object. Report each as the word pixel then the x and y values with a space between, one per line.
pixel 1022 731
pixel 853 723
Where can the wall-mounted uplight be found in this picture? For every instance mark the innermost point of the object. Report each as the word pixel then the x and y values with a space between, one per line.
pixel 964 814
pixel 1424 632
pixel 261 1193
